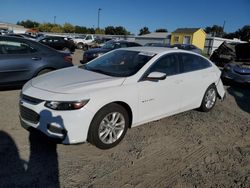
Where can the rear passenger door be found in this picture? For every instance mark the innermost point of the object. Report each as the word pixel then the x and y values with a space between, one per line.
pixel 16 61
pixel 196 75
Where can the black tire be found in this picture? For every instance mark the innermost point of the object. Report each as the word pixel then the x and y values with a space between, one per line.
pixel 205 107
pixel 80 45
pixel 44 71
pixel 65 49
pixel 95 127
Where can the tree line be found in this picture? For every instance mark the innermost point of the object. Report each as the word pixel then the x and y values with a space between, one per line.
pixel 218 31
pixel 69 28
pixel 215 30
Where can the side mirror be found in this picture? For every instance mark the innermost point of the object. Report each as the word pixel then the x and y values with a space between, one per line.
pixel 156 76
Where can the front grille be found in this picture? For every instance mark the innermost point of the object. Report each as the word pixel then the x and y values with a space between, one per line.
pixel 29 115
pixel 31 100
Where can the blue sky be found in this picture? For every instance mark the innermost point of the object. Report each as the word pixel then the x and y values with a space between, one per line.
pixel 131 14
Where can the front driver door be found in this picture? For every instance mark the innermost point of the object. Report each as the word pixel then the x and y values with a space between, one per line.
pixel 162 97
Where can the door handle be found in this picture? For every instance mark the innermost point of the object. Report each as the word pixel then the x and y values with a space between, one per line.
pixel 36 58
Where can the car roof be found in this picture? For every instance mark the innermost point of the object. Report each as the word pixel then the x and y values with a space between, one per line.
pixel 155 50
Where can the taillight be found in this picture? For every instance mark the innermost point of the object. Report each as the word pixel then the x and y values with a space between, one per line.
pixel 68 58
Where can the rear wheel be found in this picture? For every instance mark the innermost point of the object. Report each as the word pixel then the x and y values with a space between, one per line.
pixel 80 45
pixel 66 49
pixel 209 99
pixel 109 126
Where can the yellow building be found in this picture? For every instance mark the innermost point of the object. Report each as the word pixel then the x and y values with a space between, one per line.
pixel 195 36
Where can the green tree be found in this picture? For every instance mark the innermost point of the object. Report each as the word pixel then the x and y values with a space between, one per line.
pixel 28 24
pixel 45 27
pixel 91 30
pixel 215 30
pixel 244 33
pixel 80 29
pixel 68 28
pixel 120 30
pixel 99 31
pixel 144 31
pixel 110 30
pixel 56 29
pixel 161 30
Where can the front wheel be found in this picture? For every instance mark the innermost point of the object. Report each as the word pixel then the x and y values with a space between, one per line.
pixel 209 99
pixel 109 126
pixel 80 45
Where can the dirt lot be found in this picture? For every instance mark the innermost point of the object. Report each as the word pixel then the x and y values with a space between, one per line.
pixel 192 149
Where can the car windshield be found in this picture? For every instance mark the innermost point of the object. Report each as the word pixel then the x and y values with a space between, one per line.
pixel 109 45
pixel 119 63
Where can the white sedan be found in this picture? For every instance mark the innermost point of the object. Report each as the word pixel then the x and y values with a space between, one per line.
pixel 99 101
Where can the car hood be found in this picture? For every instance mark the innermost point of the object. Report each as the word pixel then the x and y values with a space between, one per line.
pixel 74 80
pixel 97 50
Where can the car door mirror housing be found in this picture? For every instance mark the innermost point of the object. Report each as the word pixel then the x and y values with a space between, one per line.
pixel 156 76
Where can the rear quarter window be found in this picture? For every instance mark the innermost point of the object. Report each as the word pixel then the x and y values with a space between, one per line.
pixel 190 62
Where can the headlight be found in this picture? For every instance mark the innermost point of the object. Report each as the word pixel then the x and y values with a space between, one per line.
pixel 59 105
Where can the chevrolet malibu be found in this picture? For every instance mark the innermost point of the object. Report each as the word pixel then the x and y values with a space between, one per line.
pixel 97 102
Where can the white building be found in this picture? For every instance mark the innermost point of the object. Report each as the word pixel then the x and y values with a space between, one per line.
pixel 12 27
pixel 212 43
pixel 155 37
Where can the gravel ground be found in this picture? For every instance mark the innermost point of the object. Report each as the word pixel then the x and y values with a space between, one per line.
pixel 191 149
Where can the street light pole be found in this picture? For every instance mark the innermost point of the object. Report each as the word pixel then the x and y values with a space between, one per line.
pixel 98 21
pixel 54 19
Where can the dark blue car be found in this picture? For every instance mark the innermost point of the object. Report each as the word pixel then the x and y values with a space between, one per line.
pixel 110 45
pixel 22 59
pixel 238 70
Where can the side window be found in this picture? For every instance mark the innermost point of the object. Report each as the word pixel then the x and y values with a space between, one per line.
pixel 11 47
pixel 123 45
pixel 190 62
pixel 117 45
pixel 168 64
pixel 88 38
pixel 133 44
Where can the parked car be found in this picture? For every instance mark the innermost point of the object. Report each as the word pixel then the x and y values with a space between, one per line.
pixel 22 59
pixel 58 43
pixel 100 41
pixel 84 41
pixel 110 45
pixel 224 54
pixel 158 45
pixel 121 89
pixel 26 36
pixel 238 70
pixel 188 47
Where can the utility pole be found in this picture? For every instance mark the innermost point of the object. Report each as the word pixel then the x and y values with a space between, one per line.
pixel 98 21
pixel 54 19
pixel 223 27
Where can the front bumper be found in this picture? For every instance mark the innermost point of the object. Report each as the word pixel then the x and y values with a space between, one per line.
pixel 66 127
pixel 228 75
